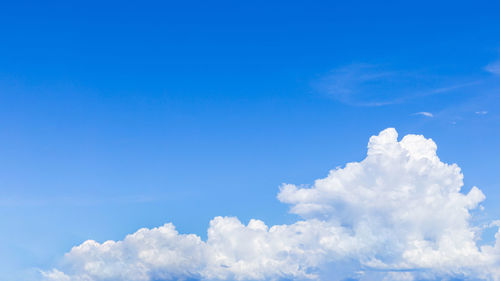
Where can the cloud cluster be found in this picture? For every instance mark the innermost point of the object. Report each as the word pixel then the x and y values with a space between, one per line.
pixel 399 214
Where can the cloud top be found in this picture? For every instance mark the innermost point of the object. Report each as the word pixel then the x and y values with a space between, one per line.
pixel 399 213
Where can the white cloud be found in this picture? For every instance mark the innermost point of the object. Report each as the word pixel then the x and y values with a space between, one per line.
pixel 493 67
pixel 424 113
pixel 376 85
pixel 398 215
pixel 483 112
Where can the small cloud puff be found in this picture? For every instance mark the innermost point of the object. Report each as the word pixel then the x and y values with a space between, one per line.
pixel 424 113
pixel 399 214
pixel 493 68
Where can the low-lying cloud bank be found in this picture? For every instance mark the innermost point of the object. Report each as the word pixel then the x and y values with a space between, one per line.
pixel 397 215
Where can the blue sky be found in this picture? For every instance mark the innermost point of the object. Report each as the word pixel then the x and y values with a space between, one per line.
pixel 116 116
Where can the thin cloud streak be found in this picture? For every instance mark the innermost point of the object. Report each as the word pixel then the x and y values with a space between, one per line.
pixel 17 201
pixel 371 86
pixel 493 67
pixel 424 113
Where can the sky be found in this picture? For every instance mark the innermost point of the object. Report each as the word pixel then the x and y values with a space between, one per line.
pixel 220 118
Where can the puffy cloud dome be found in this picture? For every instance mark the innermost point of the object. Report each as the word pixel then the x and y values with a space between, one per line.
pixel 399 213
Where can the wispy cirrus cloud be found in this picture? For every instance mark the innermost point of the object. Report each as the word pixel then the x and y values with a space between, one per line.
pixel 424 113
pixel 493 67
pixel 375 85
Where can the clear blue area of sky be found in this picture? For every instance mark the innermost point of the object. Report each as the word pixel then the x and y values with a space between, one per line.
pixel 121 115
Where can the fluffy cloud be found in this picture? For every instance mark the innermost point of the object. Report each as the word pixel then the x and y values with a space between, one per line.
pixel 399 214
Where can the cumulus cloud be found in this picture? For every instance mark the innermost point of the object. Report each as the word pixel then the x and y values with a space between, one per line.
pixel 399 214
